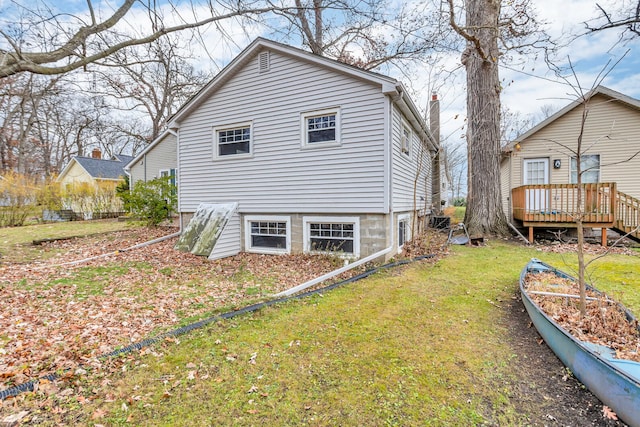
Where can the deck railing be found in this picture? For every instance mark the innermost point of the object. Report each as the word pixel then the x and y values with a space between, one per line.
pixel 628 214
pixel 557 203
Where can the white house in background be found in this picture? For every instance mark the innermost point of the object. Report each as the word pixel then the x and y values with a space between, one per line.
pixel 312 154
pixel 158 159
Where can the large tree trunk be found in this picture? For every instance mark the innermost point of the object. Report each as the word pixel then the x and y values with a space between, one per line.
pixel 484 214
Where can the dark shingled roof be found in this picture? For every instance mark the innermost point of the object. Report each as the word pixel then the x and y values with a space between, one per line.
pixel 105 169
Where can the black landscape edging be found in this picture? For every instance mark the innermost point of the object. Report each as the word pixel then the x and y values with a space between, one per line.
pixel 30 385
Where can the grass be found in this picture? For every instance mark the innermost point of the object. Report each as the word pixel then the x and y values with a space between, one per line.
pixel 456 213
pixel 424 345
pixel 16 242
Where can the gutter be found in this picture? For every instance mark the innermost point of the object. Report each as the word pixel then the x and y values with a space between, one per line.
pixel 411 112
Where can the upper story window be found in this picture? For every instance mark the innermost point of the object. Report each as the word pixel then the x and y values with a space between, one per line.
pixel 405 140
pixel 590 167
pixel 321 128
pixel 234 140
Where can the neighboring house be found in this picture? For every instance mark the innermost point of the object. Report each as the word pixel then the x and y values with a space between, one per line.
pixel 545 156
pixel 309 154
pixel 90 183
pixel 158 159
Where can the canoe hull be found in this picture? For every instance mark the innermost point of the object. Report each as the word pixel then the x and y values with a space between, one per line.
pixel 613 386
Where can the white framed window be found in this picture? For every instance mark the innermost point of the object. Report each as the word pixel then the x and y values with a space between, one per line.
pixel 590 167
pixel 337 235
pixel 404 232
pixel 405 140
pixel 233 141
pixel 320 128
pixel 171 174
pixel 267 234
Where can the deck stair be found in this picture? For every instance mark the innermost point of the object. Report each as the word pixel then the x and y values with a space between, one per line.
pixel 627 218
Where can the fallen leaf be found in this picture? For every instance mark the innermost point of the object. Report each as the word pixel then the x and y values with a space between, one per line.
pixel 608 413
pixel 98 413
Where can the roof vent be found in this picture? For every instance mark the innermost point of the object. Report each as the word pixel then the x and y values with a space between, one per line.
pixel 264 61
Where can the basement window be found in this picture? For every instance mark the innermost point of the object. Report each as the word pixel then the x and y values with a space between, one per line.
pixel 268 234
pixel 403 230
pixel 335 235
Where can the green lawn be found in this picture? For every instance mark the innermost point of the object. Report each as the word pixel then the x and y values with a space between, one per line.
pixel 420 345
pixel 16 242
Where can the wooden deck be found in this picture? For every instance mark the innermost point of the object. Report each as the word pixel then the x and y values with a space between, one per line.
pixel 555 206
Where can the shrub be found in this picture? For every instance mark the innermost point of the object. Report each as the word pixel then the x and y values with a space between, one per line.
pixel 17 199
pixel 459 201
pixel 153 200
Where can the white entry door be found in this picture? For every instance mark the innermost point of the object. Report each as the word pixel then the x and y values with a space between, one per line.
pixel 536 171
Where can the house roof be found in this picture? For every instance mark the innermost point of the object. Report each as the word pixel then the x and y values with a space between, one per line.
pixel 100 168
pixel 599 90
pixel 389 85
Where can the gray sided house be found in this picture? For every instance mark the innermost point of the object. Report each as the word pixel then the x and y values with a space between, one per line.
pixel 158 159
pixel 304 154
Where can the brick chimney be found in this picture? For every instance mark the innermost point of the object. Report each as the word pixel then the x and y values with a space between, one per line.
pixel 96 153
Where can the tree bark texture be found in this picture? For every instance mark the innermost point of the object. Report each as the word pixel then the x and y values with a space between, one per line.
pixel 484 214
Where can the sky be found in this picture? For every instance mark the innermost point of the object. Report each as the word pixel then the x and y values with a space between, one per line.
pixel 527 83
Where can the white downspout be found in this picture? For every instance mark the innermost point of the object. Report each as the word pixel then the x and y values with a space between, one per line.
pixel 378 254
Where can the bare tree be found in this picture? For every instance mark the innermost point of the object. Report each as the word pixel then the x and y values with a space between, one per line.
pixel 154 80
pixel 512 124
pixel 489 31
pixel 364 33
pixel 43 38
pixel 454 161
pixel 625 16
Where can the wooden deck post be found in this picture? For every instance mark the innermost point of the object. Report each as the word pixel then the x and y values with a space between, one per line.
pixel 530 234
pixel 603 240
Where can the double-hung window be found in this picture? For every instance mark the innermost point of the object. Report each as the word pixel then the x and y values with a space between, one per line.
pixel 338 235
pixel 320 128
pixel 590 167
pixel 267 234
pixel 234 140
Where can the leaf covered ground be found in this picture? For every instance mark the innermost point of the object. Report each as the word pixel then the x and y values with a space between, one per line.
pixel 57 315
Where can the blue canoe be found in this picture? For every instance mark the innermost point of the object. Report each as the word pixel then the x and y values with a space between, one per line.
pixel 616 382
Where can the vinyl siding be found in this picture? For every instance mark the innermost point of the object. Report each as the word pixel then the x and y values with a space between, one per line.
pixel 612 130
pixel 281 176
pixel 77 174
pixel 228 243
pixel 163 156
pixel 405 168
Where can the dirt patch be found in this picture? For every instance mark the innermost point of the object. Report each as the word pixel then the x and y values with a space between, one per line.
pixel 543 386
